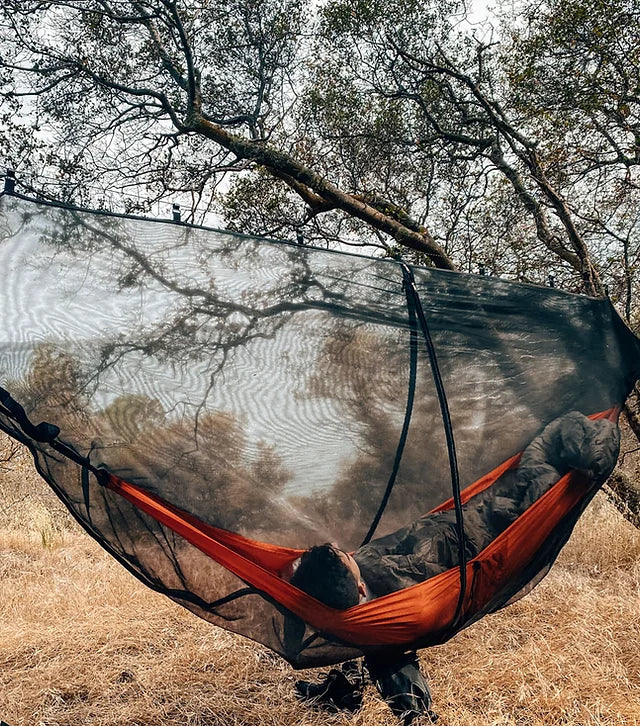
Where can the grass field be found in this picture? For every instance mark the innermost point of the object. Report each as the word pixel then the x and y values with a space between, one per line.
pixel 83 643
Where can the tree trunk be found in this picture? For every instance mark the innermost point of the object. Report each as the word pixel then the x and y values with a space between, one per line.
pixel 623 491
pixel 625 496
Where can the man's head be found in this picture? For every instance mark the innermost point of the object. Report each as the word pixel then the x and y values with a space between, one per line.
pixel 329 575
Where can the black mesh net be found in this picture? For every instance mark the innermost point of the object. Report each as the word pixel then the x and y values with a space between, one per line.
pixel 271 389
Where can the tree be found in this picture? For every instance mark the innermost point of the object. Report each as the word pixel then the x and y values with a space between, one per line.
pixel 362 121
pixel 575 79
pixel 392 123
pixel 179 78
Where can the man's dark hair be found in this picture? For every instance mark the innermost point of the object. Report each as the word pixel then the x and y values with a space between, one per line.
pixel 323 575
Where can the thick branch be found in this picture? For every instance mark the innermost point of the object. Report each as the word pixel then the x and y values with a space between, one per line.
pixel 314 201
pixel 286 167
pixel 545 235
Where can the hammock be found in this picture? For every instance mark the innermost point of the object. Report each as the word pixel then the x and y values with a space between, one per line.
pixel 218 403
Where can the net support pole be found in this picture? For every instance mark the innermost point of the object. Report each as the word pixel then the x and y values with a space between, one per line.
pixel 409 282
pixel 413 365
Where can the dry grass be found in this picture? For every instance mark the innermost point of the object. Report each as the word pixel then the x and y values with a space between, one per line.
pixel 83 643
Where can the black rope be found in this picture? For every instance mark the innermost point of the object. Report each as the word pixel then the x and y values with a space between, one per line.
pixel 448 429
pixel 46 433
pixel 43 432
pixel 413 365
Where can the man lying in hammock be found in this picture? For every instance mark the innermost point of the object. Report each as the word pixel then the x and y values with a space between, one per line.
pixel 429 546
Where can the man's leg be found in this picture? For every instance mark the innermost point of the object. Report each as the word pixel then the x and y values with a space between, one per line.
pixel 402 685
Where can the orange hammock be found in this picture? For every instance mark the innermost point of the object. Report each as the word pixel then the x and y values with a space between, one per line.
pixel 401 617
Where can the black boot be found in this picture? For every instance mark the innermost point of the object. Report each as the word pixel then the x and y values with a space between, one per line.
pixel 402 685
pixel 336 692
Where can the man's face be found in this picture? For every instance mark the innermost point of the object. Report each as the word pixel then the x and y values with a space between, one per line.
pixel 352 566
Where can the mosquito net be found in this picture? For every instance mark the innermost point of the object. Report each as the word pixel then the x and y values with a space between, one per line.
pixel 208 404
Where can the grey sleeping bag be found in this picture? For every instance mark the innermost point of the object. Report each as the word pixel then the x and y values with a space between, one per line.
pixel 429 546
